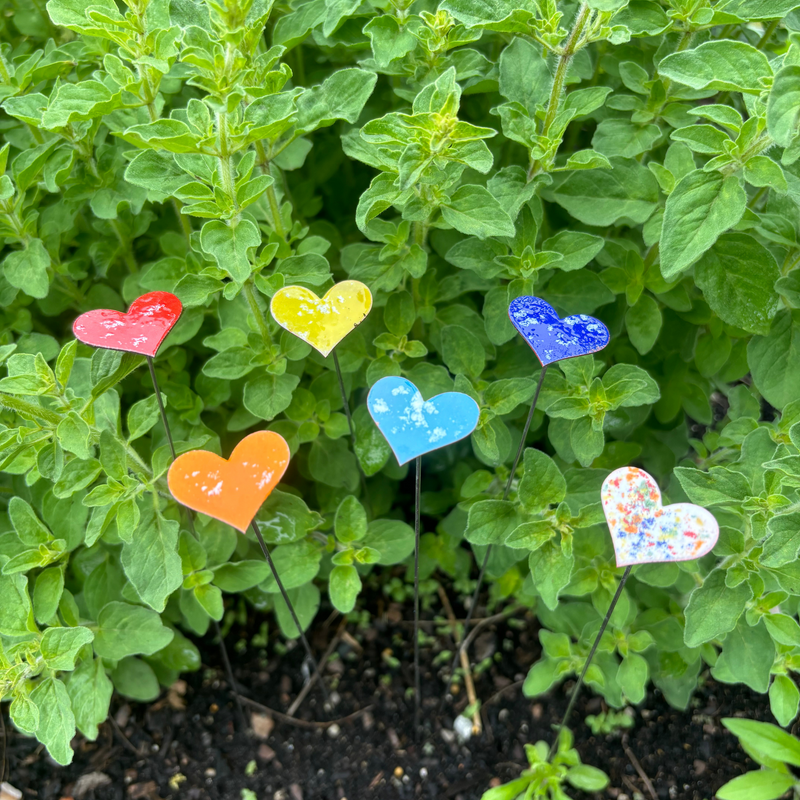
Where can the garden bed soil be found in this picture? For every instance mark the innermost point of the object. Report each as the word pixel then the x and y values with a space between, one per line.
pixel 190 744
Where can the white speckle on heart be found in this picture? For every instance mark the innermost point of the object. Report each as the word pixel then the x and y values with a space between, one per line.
pixel 436 434
pixel 266 477
pixel 399 390
pixel 217 490
pixel 380 406
pixel 195 473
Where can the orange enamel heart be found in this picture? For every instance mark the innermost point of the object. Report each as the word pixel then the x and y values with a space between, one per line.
pixel 231 491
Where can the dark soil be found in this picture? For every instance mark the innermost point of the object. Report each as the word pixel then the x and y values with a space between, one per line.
pixel 190 744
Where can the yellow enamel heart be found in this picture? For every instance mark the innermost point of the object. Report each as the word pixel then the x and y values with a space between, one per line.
pixel 322 322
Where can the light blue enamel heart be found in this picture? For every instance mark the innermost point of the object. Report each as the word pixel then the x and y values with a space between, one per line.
pixel 414 426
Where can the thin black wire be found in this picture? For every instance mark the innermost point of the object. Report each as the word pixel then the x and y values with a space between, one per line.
pixel 217 630
pixel 417 682
pixel 474 603
pixel 161 406
pixel 588 661
pixel 346 402
pixel 306 645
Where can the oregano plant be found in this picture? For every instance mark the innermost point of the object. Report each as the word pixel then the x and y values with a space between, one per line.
pixel 637 161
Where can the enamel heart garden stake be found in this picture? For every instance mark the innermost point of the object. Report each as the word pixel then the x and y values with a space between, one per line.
pixel 551 339
pixel 645 532
pixel 233 490
pixel 323 323
pixel 412 427
pixel 142 331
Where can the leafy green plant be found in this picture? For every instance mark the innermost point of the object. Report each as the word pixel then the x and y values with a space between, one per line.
pixel 609 722
pixel 634 160
pixel 547 779
pixel 775 750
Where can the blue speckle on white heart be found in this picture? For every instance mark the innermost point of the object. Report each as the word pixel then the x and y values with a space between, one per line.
pixel 414 426
pixel 554 339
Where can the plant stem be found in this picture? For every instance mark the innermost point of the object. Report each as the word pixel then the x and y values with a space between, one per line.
pixel 768 31
pixel 557 89
pixel 263 327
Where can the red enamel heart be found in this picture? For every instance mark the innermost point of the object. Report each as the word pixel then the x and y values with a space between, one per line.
pixel 148 321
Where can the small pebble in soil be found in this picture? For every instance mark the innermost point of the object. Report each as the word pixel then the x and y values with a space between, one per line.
pixel 423 773
pixel 334 730
pixel 463 729
pixel 398 772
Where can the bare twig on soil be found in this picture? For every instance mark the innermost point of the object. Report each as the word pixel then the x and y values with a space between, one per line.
pixel 477 725
pixel 301 723
pixel 502 691
pixel 326 655
pixel 123 738
pixel 642 774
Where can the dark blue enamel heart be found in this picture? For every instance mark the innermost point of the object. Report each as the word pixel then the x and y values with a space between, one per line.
pixel 553 338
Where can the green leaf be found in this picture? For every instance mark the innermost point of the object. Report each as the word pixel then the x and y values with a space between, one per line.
pixel 783 105
pixel 16 614
pixel 782 543
pixel 462 351
pixel 542 483
pixel 737 276
pixel 73 102
pixel 151 561
pixel 393 539
pixel 718 486
pixel 774 359
pixel 784 698
pixel 90 691
pixel 306 604
pixel 124 630
pixel 764 784
pixel 524 74
pixel 714 609
pixel 27 269
pixel 60 646
pixel 490 522
pixel 240 575
pixel 643 322
pixel 341 96
pixel 56 720
pixel 285 518
pixel 474 211
pixel 135 679
pixel 551 570
pixel 701 207
pixel 725 66
pixel 296 563
pixel 47 593
pixel 27 525
pixel 604 197
pixel 230 245
pixel 350 522
pixel 587 778
pixel 747 656
pixel 343 587
pixel 763 739
pixel 266 396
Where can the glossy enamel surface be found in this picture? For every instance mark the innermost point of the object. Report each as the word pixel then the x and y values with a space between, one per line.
pixel 230 490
